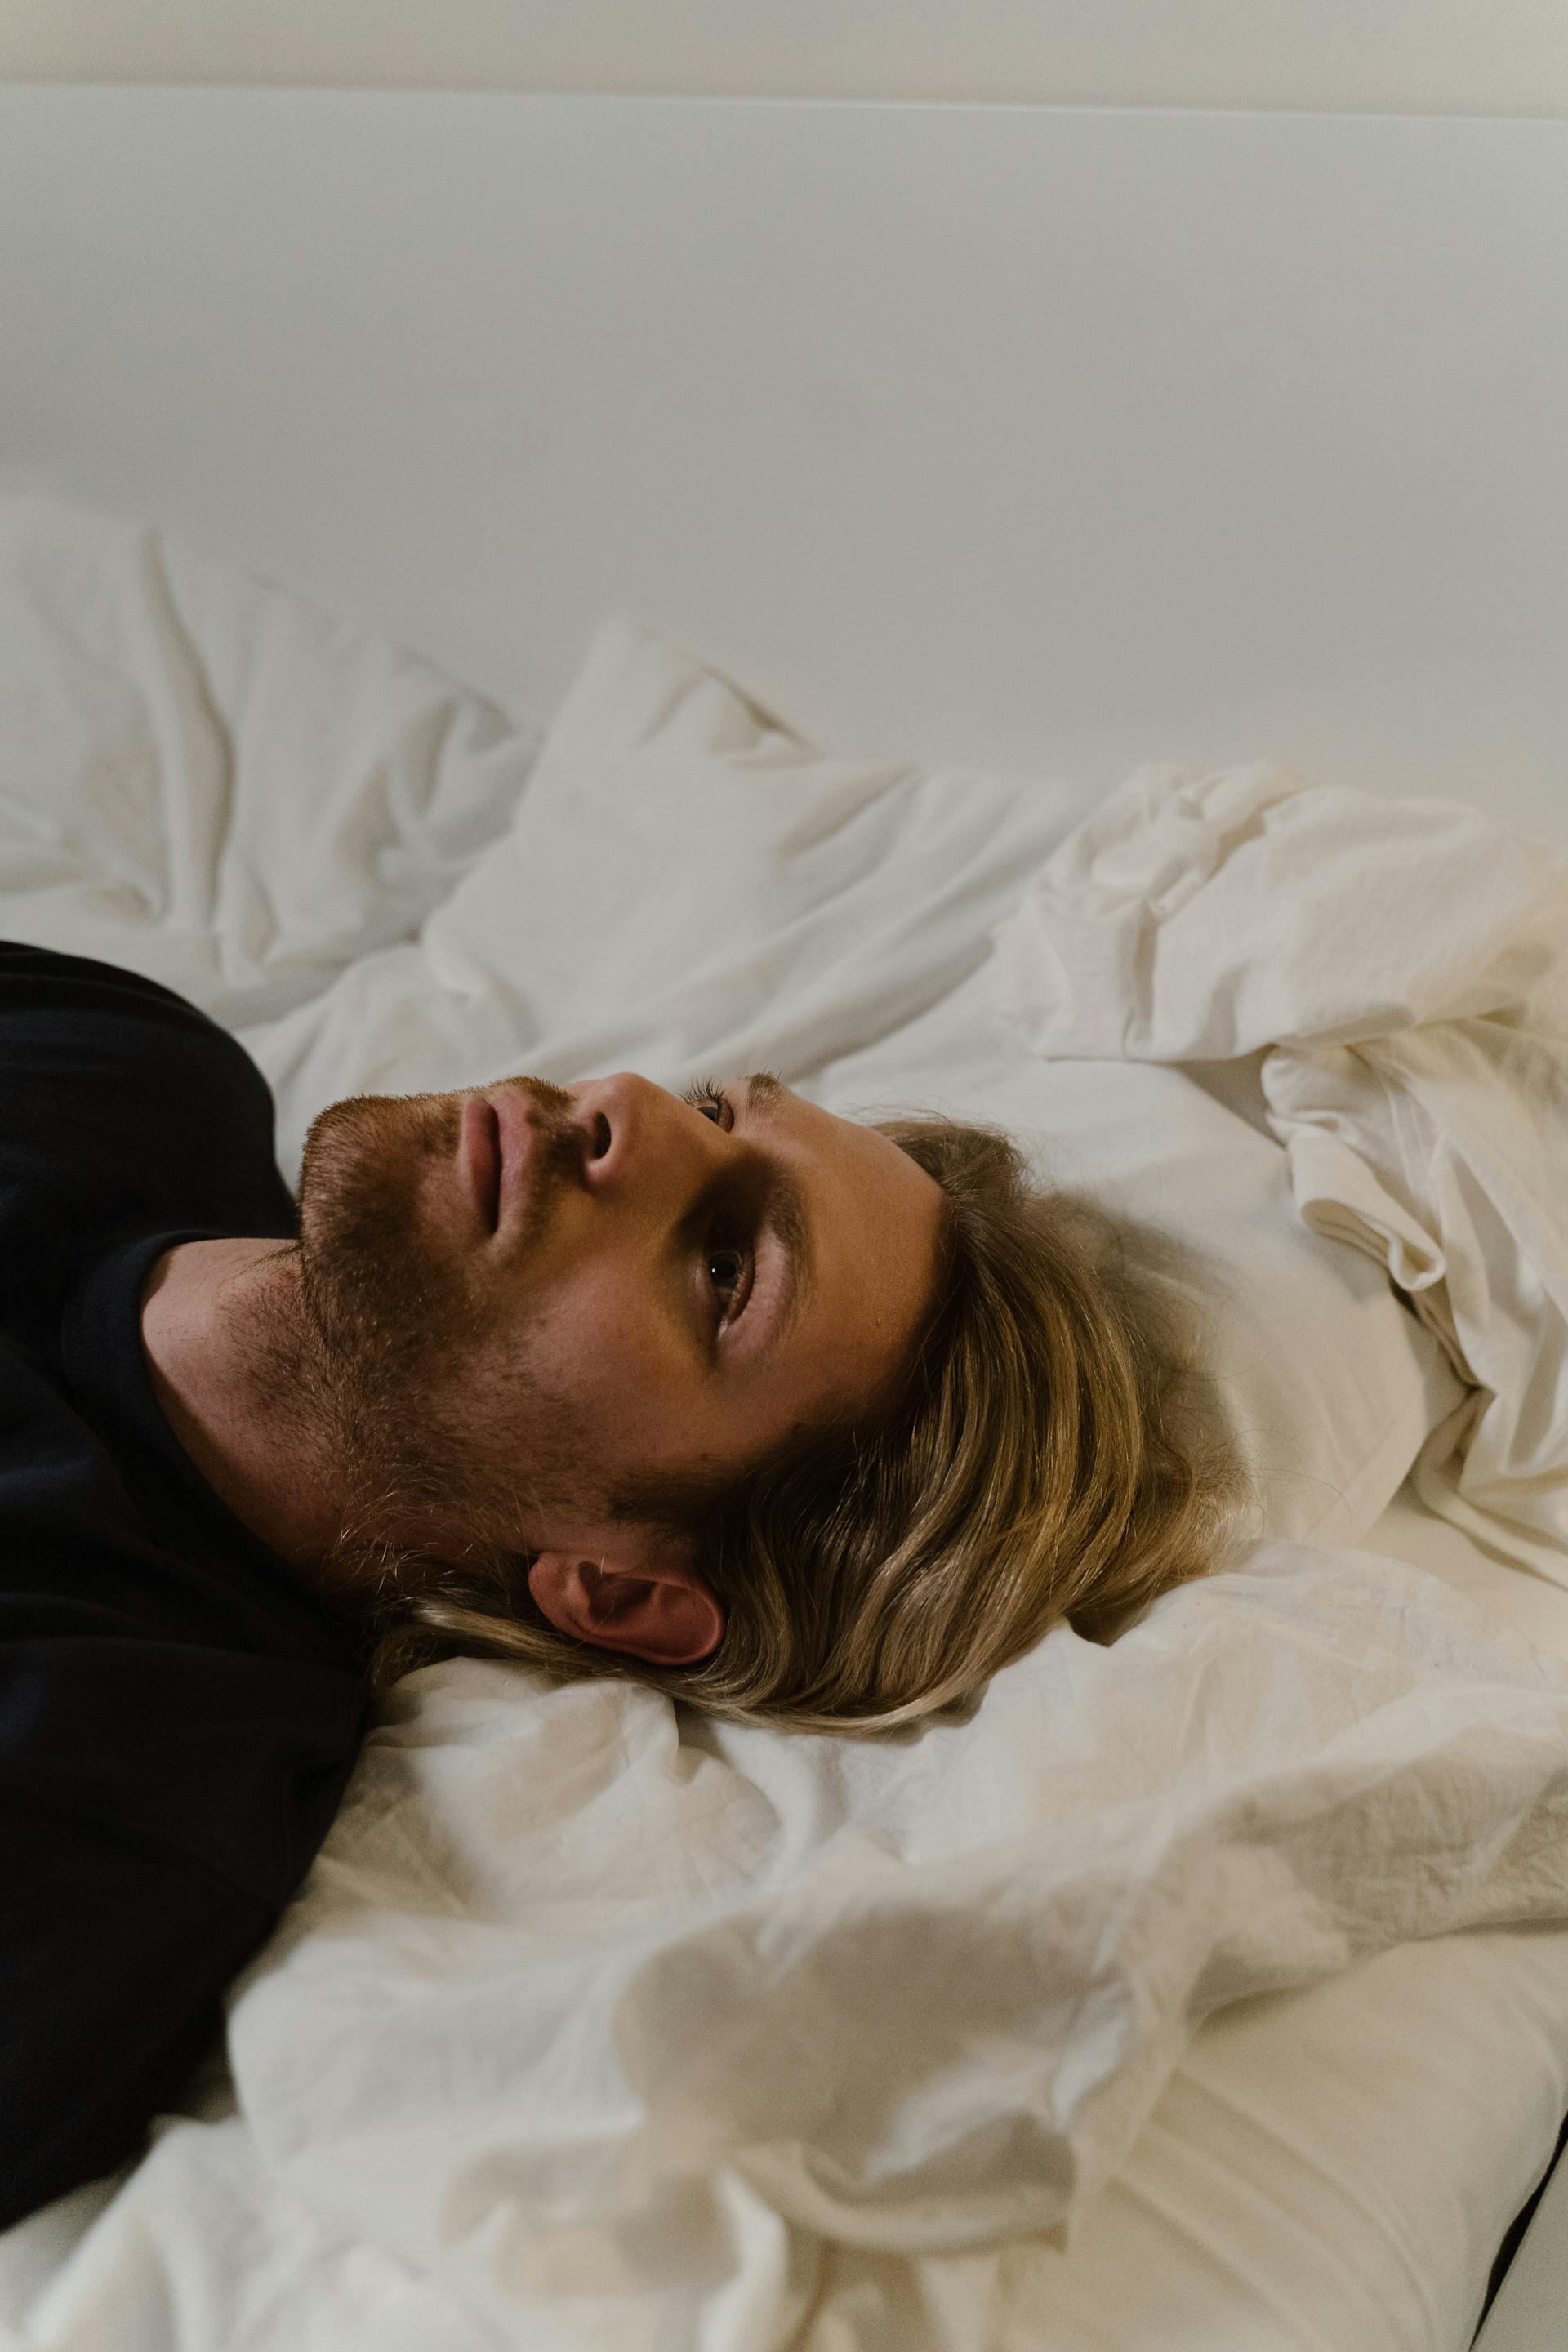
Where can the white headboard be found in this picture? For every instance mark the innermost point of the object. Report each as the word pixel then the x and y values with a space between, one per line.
pixel 1052 439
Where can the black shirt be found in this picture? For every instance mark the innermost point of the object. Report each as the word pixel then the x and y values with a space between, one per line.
pixel 179 1712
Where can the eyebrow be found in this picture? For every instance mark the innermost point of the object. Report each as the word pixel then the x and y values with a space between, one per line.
pixel 784 1210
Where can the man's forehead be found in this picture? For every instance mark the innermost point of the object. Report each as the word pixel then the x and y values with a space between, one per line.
pixel 904 1180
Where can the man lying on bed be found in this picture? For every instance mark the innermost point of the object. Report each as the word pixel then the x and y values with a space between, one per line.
pixel 793 1418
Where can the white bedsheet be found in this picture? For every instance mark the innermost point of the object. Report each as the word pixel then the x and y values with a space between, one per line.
pixel 233 789
pixel 1326 2169
pixel 599 2025
pixel 1405 963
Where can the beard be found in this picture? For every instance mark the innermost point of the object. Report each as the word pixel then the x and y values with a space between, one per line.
pixel 449 1443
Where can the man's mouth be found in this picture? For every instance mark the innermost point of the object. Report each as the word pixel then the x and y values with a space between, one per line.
pixel 500 1136
pixel 483 1159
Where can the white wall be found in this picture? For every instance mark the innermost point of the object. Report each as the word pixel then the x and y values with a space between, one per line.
pixel 1410 57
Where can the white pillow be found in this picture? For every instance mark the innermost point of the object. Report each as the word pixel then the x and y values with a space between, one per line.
pixel 687 885
pixel 218 783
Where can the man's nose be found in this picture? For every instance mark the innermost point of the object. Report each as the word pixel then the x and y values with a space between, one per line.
pixel 639 1140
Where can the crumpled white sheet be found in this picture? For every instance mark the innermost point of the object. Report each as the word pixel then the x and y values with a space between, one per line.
pixel 604 2019
pixel 1406 963
pixel 232 789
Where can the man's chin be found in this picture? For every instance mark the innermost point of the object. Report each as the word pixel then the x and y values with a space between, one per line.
pixel 377 1286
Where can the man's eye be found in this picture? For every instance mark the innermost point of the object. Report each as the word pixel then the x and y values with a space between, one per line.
pixel 705 1099
pixel 726 1268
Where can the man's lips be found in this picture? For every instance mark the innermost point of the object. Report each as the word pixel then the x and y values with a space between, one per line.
pixel 497 1143
pixel 482 1159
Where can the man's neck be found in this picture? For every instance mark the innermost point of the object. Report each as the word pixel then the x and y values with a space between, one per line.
pixel 226 1349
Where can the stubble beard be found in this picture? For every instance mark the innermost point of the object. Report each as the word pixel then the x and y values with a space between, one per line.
pixel 427 1416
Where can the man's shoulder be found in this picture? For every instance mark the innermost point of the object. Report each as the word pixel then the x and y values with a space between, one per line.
pixel 121 1100
pixel 231 1762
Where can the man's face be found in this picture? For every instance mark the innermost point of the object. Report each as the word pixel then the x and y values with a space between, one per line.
pixel 658 1287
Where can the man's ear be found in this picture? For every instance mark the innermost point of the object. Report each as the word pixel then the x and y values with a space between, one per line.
pixel 642 1598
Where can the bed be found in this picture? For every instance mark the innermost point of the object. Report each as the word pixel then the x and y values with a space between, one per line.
pixel 1027 441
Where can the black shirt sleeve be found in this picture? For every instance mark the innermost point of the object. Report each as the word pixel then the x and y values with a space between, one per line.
pixel 114 1965
pixel 159 1803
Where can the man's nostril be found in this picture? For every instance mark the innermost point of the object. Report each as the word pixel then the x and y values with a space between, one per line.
pixel 601 1134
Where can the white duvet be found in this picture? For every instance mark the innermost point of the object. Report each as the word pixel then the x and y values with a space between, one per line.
pixel 596 2024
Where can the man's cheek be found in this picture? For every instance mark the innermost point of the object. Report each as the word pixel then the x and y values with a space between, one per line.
pixel 584 1345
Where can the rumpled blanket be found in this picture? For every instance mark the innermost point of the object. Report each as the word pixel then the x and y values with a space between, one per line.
pixel 1404 962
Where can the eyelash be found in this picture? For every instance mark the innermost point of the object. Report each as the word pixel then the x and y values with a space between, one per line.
pixel 704 1096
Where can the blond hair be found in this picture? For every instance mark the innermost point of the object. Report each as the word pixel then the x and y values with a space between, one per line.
pixel 1054 1454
